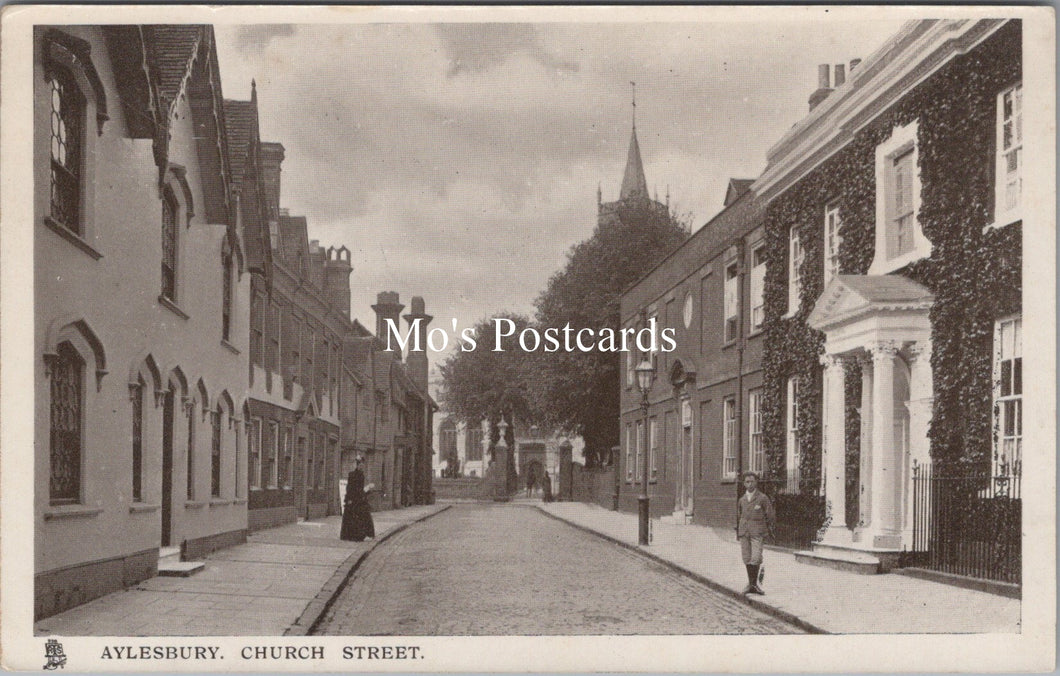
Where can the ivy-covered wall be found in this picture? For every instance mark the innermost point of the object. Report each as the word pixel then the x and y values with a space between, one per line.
pixel 974 274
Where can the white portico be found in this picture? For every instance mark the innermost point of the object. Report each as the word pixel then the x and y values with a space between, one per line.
pixel 881 321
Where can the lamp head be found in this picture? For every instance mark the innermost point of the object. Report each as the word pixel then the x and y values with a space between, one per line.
pixel 645 375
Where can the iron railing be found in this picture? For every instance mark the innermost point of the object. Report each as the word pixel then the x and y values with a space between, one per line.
pixel 967 525
pixel 800 510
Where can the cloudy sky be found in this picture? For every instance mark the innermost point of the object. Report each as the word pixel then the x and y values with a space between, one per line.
pixel 460 161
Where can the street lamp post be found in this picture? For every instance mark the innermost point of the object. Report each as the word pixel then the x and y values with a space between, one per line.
pixel 645 376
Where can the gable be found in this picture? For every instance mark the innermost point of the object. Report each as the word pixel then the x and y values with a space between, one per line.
pixel 737 187
pixel 207 111
pixel 849 296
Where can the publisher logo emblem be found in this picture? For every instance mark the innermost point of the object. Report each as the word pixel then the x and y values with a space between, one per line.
pixel 53 652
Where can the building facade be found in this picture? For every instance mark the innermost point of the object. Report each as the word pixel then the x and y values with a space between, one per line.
pixel 198 372
pixel 893 289
pixel 140 276
pixel 703 423
pixel 851 325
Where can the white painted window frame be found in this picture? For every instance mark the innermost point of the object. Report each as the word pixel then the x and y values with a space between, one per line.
pixel 902 140
pixel 758 286
pixel 832 224
pixel 1008 465
pixel 793 445
pixel 728 431
pixel 731 300
pixel 796 257
pixel 1004 215
pixel 757 452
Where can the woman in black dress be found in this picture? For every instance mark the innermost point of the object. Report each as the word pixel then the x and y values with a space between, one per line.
pixel 356 516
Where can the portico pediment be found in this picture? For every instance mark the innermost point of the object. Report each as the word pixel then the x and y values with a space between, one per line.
pixel 851 297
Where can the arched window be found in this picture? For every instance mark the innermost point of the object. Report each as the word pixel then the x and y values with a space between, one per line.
pixel 67 418
pixel 191 448
pixel 67 149
pixel 137 441
pixel 169 245
pixel 215 457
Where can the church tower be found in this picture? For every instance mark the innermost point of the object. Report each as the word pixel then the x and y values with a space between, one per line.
pixel 633 199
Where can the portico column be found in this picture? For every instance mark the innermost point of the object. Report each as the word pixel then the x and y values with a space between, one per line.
pixel 921 397
pixel 865 464
pixel 835 447
pixel 886 473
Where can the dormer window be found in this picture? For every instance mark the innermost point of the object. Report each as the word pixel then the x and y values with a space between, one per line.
pixel 899 239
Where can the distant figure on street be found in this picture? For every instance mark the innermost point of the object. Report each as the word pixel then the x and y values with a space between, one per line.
pixel 356 515
pixel 530 481
pixel 546 488
pixel 754 519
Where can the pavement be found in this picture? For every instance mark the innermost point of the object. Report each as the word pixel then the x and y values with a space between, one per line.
pixel 279 582
pixel 817 598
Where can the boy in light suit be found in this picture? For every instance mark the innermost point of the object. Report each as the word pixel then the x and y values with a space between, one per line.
pixel 754 519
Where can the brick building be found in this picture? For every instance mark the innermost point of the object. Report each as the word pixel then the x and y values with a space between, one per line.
pixel 703 426
pixel 306 354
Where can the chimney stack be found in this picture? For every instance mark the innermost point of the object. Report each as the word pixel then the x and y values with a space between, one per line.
pixel 387 307
pixel 417 361
pixel 337 269
pixel 271 158
pixel 840 75
pixel 823 88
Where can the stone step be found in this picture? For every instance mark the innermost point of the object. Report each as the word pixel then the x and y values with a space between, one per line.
pixel 838 562
pixel 180 568
pixel 168 555
pixel 839 551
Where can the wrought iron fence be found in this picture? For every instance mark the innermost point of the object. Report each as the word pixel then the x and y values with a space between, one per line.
pixel 967 525
pixel 799 514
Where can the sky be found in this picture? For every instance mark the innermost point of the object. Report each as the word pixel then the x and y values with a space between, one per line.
pixel 460 161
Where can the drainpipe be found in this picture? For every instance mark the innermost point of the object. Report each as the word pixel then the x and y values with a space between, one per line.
pixel 740 344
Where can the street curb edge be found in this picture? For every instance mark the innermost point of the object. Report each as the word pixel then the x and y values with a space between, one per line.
pixel 315 609
pixel 716 586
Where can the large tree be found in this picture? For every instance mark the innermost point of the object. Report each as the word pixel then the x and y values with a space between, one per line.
pixel 579 391
pixel 485 384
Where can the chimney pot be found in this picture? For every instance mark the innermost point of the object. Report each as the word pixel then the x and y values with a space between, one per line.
pixel 854 64
pixel 840 75
pixel 822 76
pixel 387 307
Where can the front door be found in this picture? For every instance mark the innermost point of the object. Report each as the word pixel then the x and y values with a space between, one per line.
pixel 167 467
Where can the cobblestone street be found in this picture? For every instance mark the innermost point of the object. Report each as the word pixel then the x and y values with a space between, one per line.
pixel 510 570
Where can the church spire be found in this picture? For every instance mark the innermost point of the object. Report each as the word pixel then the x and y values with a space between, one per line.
pixel 634 185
